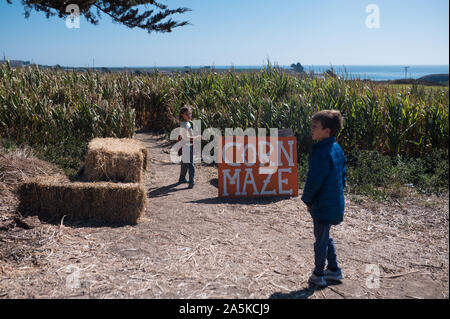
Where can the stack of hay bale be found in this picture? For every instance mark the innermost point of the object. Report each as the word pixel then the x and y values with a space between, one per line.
pixel 111 190
pixel 112 159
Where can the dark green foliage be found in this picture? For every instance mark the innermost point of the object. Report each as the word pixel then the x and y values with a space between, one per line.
pixel 124 12
pixel 298 67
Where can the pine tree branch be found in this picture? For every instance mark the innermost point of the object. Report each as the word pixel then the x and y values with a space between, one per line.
pixel 121 11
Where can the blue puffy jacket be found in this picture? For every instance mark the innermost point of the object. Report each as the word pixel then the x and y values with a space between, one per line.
pixel 324 188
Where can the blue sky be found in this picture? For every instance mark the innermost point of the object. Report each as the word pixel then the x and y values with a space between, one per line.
pixel 241 32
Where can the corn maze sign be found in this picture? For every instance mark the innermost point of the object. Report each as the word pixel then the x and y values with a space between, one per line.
pixel 253 166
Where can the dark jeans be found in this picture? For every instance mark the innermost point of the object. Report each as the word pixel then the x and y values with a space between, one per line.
pixel 188 166
pixel 323 248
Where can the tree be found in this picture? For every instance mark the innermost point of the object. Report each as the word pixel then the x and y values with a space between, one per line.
pixel 121 11
pixel 298 67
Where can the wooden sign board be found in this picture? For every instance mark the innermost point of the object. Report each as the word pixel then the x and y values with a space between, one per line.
pixel 257 166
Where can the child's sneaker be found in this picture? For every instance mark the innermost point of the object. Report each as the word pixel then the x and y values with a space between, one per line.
pixel 333 275
pixel 182 180
pixel 191 186
pixel 317 280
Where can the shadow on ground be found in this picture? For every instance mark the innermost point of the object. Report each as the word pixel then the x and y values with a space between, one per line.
pixel 67 221
pixel 304 293
pixel 164 191
pixel 238 200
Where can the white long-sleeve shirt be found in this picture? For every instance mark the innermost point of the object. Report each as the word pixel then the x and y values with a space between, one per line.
pixel 186 132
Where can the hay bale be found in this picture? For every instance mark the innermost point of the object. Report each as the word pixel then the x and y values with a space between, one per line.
pixel 112 159
pixel 103 202
pixel 20 165
pixel 142 148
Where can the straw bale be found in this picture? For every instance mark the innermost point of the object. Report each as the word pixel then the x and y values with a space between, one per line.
pixel 20 165
pixel 136 143
pixel 104 202
pixel 111 159
pixel 141 147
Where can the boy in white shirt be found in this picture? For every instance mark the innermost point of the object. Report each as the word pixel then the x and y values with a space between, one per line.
pixel 187 138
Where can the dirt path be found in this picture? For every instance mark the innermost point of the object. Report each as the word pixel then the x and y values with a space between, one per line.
pixel 191 244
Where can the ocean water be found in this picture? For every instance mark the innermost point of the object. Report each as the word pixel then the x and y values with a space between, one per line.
pixel 372 72
pixel 383 72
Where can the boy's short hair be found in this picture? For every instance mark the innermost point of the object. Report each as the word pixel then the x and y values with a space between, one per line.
pixel 183 110
pixel 331 119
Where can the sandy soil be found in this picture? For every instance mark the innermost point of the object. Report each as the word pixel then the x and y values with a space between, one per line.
pixel 192 244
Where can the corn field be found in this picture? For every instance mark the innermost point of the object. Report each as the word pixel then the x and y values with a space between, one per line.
pixel 39 107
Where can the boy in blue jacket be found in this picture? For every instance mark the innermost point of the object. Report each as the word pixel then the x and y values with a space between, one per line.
pixel 324 192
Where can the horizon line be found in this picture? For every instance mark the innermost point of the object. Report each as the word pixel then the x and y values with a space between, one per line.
pixel 89 65
pixel 254 65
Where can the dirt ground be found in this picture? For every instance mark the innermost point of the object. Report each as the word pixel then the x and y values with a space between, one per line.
pixel 192 244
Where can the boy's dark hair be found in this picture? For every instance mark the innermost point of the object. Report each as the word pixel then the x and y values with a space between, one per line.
pixel 331 119
pixel 183 110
